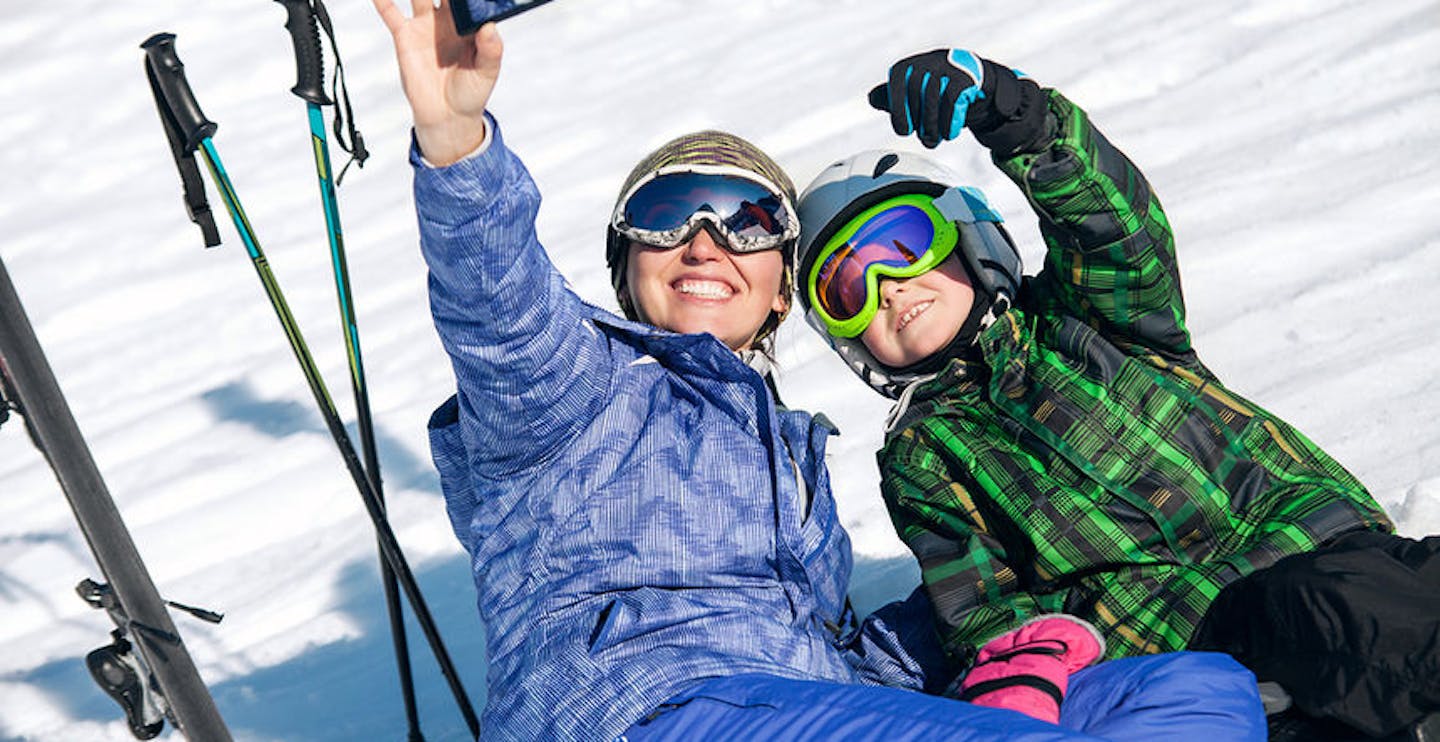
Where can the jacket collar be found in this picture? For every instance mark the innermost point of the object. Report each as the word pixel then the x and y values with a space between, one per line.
pixel 996 364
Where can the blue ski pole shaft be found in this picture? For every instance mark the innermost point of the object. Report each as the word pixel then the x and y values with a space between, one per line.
pixel 363 417
pixel 343 293
pixel 389 546
pixel 302 25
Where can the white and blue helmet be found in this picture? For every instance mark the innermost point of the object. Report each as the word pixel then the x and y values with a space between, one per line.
pixel 847 187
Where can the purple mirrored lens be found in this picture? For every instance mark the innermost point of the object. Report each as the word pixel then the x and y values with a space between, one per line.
pixel 745 207
pixel 896 237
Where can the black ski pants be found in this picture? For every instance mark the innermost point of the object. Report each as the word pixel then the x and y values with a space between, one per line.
pixel 1351 631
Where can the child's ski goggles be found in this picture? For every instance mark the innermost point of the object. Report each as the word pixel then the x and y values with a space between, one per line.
pixel 666 208
pixel 900 237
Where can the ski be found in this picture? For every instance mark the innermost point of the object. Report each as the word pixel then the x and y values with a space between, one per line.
pixel 146 667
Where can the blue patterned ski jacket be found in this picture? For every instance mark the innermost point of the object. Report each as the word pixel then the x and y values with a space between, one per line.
pixel 630 498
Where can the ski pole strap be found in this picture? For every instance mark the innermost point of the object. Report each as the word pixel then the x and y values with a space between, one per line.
pixel 185 126
pixel 304 20
pixel 346 135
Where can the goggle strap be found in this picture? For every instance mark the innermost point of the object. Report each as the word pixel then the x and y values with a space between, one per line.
pixel 964 204
pixel 982 271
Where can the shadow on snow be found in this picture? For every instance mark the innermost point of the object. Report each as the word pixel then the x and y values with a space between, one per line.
pixel 237 402
pixel 349 689
pixel 345 690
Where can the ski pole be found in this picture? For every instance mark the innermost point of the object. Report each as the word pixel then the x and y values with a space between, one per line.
pixel 28 385
pixel 187 124
pixel 301 22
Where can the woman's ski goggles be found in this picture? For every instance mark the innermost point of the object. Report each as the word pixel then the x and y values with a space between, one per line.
pixel 667 208
pixel 900 237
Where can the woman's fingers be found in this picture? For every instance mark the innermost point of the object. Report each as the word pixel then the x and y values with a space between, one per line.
pixel 445 22
pixel 391 15
pixel 488 50
pixel 447 78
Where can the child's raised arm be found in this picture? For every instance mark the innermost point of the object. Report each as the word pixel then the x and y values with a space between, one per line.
pixel 1111 253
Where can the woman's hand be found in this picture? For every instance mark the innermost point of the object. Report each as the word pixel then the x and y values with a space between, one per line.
pixel 447 78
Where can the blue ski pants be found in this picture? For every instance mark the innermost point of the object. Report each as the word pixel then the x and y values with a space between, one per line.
pixel 1182 695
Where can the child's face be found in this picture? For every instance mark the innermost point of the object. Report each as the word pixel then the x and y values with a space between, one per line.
pixel 919 316
pixel 702 287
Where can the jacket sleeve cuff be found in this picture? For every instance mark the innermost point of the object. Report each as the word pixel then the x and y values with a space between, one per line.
pixel 479 150
pixel 449 194
pixel 1015 120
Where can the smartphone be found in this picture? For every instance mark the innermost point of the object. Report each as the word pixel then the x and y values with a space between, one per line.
pixel 470 15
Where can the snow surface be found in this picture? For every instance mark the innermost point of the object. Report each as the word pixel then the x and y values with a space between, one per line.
pixel 1295 145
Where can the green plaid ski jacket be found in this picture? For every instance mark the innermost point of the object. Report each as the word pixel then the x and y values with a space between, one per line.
pixel 1090 463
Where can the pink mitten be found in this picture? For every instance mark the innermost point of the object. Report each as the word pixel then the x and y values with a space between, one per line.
pixel 1028 669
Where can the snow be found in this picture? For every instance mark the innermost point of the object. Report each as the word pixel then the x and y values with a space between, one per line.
pixel 1293 144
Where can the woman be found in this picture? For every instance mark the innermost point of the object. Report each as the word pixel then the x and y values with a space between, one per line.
pixel 653 538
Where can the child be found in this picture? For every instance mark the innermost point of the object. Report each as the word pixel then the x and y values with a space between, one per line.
pixel 1058 446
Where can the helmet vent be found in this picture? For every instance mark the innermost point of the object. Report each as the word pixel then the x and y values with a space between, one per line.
pixel 885 163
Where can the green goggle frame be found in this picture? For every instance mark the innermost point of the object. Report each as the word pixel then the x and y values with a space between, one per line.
pixel 944 238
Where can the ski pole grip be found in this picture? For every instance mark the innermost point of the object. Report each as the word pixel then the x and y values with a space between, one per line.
pixel 309 65
pixel 175 89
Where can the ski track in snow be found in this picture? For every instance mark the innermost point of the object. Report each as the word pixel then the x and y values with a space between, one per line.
pixel 1295 148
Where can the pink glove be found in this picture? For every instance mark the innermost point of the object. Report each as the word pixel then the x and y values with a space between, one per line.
pixel 1028 669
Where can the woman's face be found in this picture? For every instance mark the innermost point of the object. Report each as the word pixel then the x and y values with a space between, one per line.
pixel 700 286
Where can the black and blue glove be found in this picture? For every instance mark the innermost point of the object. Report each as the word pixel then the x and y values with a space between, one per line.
pixel 936 94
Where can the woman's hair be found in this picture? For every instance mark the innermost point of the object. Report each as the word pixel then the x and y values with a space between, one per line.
pixel 707 148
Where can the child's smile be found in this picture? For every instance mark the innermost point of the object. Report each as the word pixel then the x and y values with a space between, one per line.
pixel 919 316
pixel 911 313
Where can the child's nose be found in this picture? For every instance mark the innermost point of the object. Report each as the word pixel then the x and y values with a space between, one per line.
pixel 889 288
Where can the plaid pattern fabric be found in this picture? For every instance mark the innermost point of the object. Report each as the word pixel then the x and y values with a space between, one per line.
pixel 1090 463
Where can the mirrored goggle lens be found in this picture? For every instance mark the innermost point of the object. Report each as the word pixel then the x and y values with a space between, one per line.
pixel 742 207
pixel 897 237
